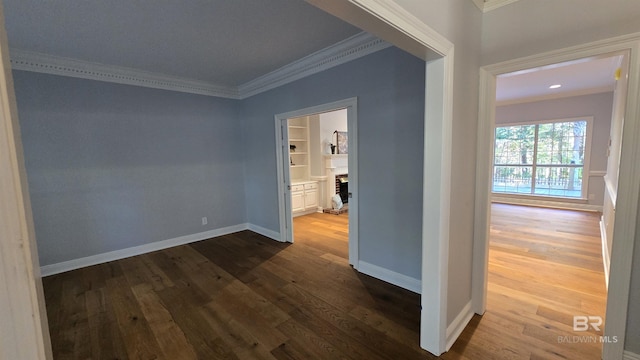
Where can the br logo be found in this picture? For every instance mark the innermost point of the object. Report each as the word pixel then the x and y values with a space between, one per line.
pixel 582 323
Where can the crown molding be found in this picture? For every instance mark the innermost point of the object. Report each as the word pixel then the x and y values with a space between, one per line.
pixel 488 5
pixel 357 46
pixel 56 65
pixel 479 4
pixel 349 49
pixel 411 26
pixel 562 95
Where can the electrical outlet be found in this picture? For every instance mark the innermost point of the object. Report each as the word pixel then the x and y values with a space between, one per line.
pixel 204 221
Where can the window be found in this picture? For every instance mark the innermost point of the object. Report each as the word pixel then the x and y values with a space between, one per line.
pixel 544 158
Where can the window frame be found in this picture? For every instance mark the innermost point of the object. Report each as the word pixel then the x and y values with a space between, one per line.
pixel 534 162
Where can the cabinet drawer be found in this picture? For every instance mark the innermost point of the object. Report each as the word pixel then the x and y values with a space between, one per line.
pixel 310 186
pixel 297 187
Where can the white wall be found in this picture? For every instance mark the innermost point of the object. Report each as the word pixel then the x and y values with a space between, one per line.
pixel 529 27
pixel 613 165
pixel 316 166
pixel 330 122
pixel 460 22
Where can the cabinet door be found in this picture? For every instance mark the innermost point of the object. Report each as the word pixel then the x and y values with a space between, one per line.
pixel 297 201
pixel 310 199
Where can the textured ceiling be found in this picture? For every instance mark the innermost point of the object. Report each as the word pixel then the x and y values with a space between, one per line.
pixel 225 42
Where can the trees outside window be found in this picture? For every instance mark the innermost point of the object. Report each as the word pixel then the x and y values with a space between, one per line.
pixel 545 159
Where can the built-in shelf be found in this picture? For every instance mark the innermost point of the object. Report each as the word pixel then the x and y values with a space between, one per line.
pixel 304 191
pixel 299 139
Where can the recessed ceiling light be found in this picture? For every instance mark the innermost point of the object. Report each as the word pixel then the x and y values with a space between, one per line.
pixel 555 86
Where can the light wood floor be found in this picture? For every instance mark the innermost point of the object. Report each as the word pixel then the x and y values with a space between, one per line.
pixel 545 266
pixel 243 296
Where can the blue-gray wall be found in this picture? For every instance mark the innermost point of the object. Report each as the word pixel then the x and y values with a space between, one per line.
pixel 599 106
pixel 114 166
pixel 389 85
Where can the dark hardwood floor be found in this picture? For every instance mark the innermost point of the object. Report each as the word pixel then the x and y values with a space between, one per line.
pixel 243 296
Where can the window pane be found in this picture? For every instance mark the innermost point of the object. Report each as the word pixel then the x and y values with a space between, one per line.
pixel 558 181
pixel 512 179
pixel 514 145
pixel 562 143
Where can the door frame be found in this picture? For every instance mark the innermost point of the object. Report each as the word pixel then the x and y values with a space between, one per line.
pixel 24 333
pixel 410 33
pixel 628 181
pixel 284 182
pixel 405 30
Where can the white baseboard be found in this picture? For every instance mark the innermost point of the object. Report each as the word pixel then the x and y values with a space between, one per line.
pixel 147 248
pixel 392 277
pixel 459 323
pixel 274 235
pixel 304 212
pixel 628 355
pixel 606 258
pixel 546 203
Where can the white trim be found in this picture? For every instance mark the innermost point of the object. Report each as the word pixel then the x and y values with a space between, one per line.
pixel 611 190
pixel 628 355
pixel 392 277
pixel 484 170
pixel 284 197
pixel 56 65
pixel 439 70
pixel 306 212
pixel 24 333
pixel 597 173
pixel 399 18
pixel 607 47
pixel 137 250
pixel 488 5
pixel 436 196
pixel 494 4
pixel 458 324
pixel 517 200
pixel 274 235
pixel 606 257
pixel 628 187
pixel 352 48
pixel 563 95
pixel 355 47
pixel 479 4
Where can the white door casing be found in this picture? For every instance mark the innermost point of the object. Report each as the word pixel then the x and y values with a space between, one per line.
pixel 284 181
pixel 24 332
pixel 628 185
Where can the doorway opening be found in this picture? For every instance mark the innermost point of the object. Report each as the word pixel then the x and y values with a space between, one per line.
pixel 554 150
pixel 319 174
pixel 317 167
pixel 603 174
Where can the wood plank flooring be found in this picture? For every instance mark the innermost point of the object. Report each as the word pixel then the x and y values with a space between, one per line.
pixel 243 296
pixel 545 266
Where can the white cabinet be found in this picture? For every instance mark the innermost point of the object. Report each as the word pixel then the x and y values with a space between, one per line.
pixel 304 192
pixel 304 198
pixel 297 198
pixel 310 196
